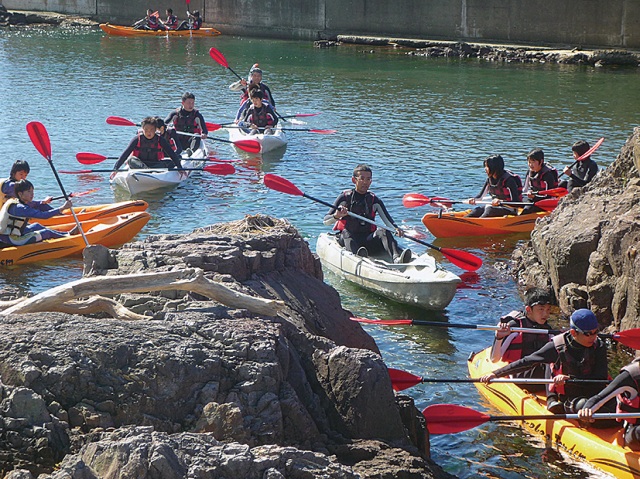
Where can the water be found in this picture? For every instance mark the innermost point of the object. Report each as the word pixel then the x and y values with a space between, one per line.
pixel 423 125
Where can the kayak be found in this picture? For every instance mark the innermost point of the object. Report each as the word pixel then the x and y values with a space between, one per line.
pixel 139 180
pixel 122 31
pixel 267 142
pixel 447 225
pixel 420 283
pixel 84 213
pixel 111 232
pixel 601 447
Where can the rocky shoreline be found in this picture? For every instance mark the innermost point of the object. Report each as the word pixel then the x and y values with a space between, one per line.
pixel 21 19
pixel 199 389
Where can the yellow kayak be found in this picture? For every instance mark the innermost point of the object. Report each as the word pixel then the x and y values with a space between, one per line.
pixel 122 31
pixel 601 447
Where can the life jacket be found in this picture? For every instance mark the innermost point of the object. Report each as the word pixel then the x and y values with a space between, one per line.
pixel 537 180
pixel 568 365
pixel 10 224
pixel 186 121
pixel 152 22
pixel 624 402
pixel 362 208
pixel 148 150
pixel 261 117
pixel 265 94
pixel 169 137
pixel 500 189
pixel 172 22
pixel 522 344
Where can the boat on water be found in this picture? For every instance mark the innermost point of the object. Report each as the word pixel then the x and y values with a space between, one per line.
pixel 267 142
pixel 422 282
pixel 122 31
pixel 139 180
pixel 94 212
pixel 450 224
pixel 110 231
pixel 603 448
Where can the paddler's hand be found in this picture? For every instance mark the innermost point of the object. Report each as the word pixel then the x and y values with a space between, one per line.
pixel 496 202
pixel 340 213
pixel 560 379
pixel 400 232
pixel 567 171
pixel 203 136
pixel 586 415
pixel 471 201
pixel 66 206
pixel 504 331
pixel 47 200
pixel 113 175
pixel 487 378
pixel 531 195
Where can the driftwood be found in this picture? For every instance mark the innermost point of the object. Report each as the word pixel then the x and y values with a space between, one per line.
pixel 60 298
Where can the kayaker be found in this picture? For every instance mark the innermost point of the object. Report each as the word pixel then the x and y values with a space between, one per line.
pixel 150 22
pixel 148 150
pixel 189 120
pixel 356 235
pixel 171 23
pixel 511 346
pixel 169 134
pixel 625 388
pixel 585 170
pixel 502 185
pixel 259 117
pixel 540 177
pixel 578 353
pixel 193 22
pixel 19 171
pixel 255 78
pixel 16 213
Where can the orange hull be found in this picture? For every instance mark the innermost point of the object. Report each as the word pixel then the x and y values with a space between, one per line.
pixel 122 31
pixel 447 225
pixel 95 212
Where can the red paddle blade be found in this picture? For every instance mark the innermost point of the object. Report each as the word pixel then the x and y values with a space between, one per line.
pixel 588 153
pixel 280 184
pixel 324 132
pixel 412 200
pixel 218 57
pixel 40 138
pixel 250 146
pixel 451 418
pixel 548 205
pixel 220 169
pixel 382 322
pixel 89 158
pixel 401 380
pixel 83 193
pixel 119 121
pixel 630 338
pixel 212 126
pixel 462 259
pixel 558 192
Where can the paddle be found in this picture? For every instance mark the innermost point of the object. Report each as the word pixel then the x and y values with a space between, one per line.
pixel 412 200
pixel 86 158
pixel 628 337
pixel 557 192
pixel 451 418
pixel 217 169
pixel 75 195
pixel 311 130
pixel 586 154
pixel 40 139
pixel 401 380
pixel 461 259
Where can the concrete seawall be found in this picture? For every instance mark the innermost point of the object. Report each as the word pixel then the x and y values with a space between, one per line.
pixel 610 24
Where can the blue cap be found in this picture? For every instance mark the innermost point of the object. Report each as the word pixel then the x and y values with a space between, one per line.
pixel 584 320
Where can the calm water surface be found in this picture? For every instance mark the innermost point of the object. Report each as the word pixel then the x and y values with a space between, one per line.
pixel 423 125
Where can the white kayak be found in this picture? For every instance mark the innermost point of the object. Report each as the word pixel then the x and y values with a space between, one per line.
pixel 420 283
pixel 267 142
pixel 138 180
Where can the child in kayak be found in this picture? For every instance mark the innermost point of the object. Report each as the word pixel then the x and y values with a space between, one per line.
pixel 19 171
pixel 585 170
pixel 510 346
pixel 189 120
pixel 502 185
pixel 259 117
pixel 254 79
pixel 361 237
pixel 16 213
pixel 540 177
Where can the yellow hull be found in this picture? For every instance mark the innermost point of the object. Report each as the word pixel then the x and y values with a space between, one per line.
pixel 122 31
pixel 600 447
pixel 95 212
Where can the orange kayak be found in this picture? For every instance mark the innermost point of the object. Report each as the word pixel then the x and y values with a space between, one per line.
pixel 447 225
pixel 122 31
pixel 111 232
pixel 95 212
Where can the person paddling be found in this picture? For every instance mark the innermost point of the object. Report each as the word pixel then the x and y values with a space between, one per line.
pixel 148 150
pixel 358 236
pixel 150 22
pixel 578 353
pixel 171 23
pixel 169 134
pixel 585 170
pixel 259 117
pixel 502 185
pixel 188 119
pixel 193 22
pixel 511 346
pixel 254 79
pixel 540 177
pixel 16 213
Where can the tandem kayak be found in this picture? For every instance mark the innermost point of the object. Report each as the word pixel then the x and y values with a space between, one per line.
pixel 447 225
pixel 122 31
pixel 95 212
pixel 267 142
pixel 139 180
pixel 420 283
pixel 111 232
pixel 601 447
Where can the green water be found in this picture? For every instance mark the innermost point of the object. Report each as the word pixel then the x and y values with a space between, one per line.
pixel 423 125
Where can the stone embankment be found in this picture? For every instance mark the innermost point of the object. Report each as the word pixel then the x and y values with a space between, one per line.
pixel 587 249
pixel 200 389
pixel 8 19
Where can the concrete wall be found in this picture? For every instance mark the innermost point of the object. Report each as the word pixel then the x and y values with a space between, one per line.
pixel 605 23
